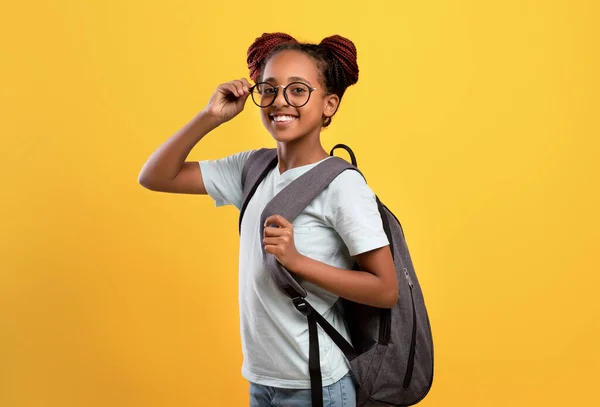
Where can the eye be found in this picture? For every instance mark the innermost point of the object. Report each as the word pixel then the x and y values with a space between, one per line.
pixel 299 89
pixel 265 89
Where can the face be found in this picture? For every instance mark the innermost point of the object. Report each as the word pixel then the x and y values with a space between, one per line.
pixel 284 121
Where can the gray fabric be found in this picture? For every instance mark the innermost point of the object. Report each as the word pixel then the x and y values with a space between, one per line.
pixel 380 368
pixel 259 160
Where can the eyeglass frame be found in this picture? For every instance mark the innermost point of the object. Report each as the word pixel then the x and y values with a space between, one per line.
pixel 310 91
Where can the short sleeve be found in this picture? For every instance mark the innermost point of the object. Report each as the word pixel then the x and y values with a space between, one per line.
pixel 223 178
pixel 353 213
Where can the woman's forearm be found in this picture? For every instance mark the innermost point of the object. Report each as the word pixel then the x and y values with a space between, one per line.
pixel 358 286
pixel 166 162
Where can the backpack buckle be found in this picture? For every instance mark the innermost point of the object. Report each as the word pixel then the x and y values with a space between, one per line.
pixel 301 305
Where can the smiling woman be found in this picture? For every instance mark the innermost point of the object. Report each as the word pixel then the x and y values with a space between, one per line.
pixel 298 88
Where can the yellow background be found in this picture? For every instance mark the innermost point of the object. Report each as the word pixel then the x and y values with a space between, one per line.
pixel 475 122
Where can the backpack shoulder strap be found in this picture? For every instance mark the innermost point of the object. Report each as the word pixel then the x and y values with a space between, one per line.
pixel 255 169
pixel 289 202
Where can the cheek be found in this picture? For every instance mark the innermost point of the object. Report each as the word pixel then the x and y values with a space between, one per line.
pixel 264 116
pixel 313 111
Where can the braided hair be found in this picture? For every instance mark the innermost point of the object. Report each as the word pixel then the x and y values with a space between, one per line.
pixel 335 57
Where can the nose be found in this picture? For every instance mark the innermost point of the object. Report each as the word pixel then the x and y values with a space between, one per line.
pixel 280 97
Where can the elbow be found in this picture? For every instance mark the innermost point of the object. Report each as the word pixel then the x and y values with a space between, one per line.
pixel 142 180
pixel 145 181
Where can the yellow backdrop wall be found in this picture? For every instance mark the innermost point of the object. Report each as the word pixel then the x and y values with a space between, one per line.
pixel 475 122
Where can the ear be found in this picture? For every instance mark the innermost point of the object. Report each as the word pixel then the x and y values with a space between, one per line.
pixel 331 105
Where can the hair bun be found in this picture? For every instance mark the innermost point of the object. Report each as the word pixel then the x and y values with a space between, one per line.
pixel 261 47
pixel 345 52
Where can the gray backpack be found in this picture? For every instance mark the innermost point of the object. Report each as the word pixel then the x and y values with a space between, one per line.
pixel 391 354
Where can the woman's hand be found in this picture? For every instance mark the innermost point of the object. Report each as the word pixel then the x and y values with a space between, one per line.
pixel 279 241
pixel 228 100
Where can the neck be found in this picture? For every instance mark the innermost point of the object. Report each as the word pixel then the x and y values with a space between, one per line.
pixel 301 151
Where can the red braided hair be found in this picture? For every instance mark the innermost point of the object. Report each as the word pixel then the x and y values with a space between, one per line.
pixel 261 48
pixel 345 52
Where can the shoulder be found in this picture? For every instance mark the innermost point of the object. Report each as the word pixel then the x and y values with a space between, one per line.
pixel 236 160
pixel 241 156
pixel 348 184
pixel 348 196
pixel 351 209
pixel 349 177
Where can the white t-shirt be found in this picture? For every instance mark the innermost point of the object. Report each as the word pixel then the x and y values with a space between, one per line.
pixel 339 223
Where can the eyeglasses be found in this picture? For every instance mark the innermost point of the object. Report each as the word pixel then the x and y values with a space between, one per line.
pixel 295 93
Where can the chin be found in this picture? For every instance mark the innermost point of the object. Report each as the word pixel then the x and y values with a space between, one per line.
pixel 288 134
pixel 284 136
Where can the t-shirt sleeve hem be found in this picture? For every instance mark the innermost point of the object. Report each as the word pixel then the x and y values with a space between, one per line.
pixel 206 170
pixel 365 246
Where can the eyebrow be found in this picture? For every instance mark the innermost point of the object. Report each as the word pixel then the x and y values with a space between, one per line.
pixel 291 78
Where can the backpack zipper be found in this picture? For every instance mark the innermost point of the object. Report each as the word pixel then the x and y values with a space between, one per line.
pixel 413 340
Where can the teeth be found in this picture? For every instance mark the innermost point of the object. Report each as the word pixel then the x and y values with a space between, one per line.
pixel 283 118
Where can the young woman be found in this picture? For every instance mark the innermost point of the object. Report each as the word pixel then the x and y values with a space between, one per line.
pixel 298 88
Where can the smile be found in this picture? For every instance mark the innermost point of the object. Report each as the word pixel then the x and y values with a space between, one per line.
pixel 283 118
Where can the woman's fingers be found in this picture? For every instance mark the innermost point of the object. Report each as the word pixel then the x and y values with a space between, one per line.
pixel 242 86
pixel 273 241
pixel 236 88
pixel 246 84
pixel 275 231
pixel 233 89
pixel 279 221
